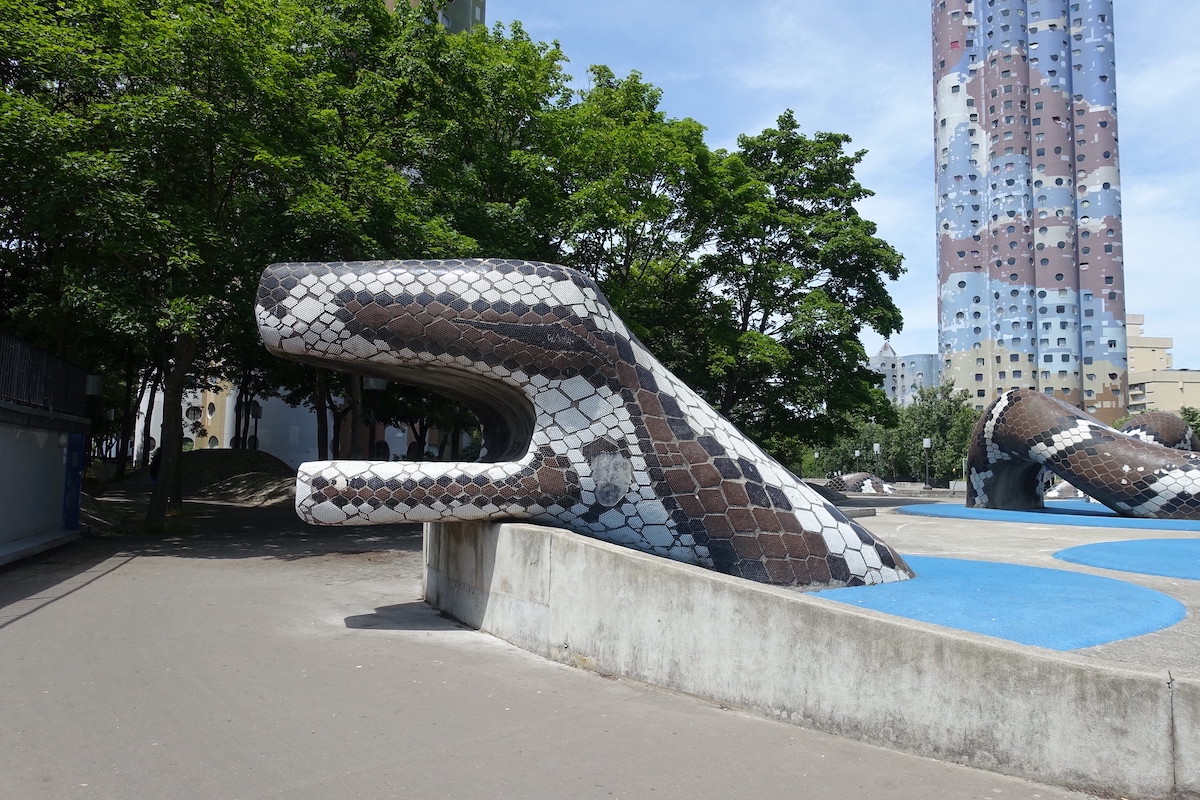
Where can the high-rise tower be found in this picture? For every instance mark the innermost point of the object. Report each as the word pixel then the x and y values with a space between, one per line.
pixel 1031 284
pixel 456 15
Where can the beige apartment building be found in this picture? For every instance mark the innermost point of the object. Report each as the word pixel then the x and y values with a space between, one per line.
pixel 1154 383
pixel 456 15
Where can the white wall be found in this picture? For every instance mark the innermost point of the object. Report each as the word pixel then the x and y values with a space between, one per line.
pixel 32 478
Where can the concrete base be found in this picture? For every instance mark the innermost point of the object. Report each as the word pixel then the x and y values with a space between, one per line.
pixel 32 545
pixel 933 691
pixel 858 512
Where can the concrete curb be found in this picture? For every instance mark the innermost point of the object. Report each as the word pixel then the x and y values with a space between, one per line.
pixel 32 545
pixel 946 694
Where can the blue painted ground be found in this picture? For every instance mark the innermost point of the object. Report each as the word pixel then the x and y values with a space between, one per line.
pixel 1172 558
pixel 1050 608
pixel 1056 512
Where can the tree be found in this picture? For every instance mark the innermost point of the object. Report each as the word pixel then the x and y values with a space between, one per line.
pixel 938 413
pixel 155 154
pixel 947 418
pixel 492 134
pixel 801 272
pixel 637 184
pixel 177 148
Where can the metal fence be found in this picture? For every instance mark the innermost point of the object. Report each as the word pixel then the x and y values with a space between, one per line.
pixel 32 377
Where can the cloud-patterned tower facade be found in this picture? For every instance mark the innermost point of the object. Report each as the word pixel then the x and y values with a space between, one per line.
pixel 1030 276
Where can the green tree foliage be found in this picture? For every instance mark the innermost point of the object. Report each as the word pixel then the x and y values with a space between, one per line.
pixel 939 413
pixel 492 146
pixel 947 418
pixel 801 272
pixel 636 182
pixel 156 154
pixel 164 152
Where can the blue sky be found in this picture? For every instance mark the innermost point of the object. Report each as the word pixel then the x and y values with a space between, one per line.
pixel 863 68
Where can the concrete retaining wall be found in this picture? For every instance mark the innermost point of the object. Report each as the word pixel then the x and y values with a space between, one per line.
pixel 949 695
pixel 32 474
pixel 33 485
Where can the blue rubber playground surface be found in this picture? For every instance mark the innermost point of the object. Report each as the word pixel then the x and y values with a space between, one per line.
pixel 1171 558
pixel 1050 608
pixel 1056 512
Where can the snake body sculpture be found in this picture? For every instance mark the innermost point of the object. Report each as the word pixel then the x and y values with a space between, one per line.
pixel 583 428
pixel 863 482
pixel 1162 427
pixel 1134 472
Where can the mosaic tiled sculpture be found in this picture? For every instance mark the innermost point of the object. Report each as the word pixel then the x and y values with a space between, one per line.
pixel 863 482
pixel 1025 431
pixel 583 428
pixel 1162 427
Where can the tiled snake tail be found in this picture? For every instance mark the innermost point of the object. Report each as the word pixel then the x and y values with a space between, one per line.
pixel 1025 431
pixel 1163 427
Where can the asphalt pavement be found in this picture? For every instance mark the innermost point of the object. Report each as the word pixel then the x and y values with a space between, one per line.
pixel 256 658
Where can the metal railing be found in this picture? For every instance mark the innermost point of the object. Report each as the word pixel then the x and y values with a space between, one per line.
pixel 32 377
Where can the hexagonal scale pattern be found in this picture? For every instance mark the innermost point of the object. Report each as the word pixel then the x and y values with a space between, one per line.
pixel 614 447
pixel 1147 469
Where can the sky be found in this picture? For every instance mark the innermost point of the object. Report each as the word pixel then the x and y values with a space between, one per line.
pixel 863 68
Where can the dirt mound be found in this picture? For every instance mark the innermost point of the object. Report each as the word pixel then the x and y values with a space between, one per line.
pixel 237 476
pixel 252 488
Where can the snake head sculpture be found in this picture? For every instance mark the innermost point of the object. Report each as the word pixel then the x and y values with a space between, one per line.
pixel 583 428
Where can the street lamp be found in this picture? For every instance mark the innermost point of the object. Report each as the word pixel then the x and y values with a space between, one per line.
pixel 927 445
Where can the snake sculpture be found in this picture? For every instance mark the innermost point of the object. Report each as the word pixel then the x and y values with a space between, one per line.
pixel 583 428
pixel 863 482
pixel 1147 470
pixel 1163 427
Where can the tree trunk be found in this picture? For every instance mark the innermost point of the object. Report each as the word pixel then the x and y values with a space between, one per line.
pixel 244 411
pixel 322 410
pixel 239 411
pixel 335 440
pixel 128 414
pixel 420 432
pixel 356 418
pixel 153 380
pixel 168 495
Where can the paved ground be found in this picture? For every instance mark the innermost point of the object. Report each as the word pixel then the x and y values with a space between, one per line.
pixel 254 658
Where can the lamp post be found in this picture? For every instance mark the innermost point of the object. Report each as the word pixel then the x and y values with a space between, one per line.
pixel 927 445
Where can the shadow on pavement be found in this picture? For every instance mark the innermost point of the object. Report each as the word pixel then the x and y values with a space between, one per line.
pixel 219 529
pixel 38 581
pixel 414 616
pixel 208 529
